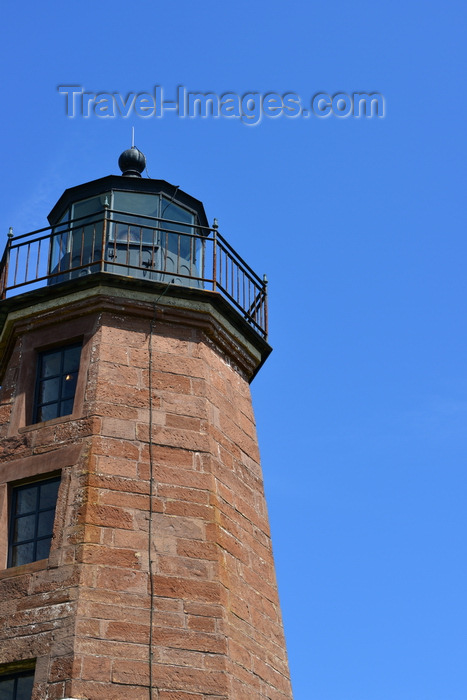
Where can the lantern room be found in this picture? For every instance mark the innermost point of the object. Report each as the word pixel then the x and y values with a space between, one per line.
pixel 139 227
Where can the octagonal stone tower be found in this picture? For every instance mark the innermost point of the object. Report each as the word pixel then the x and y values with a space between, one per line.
pixel 135 554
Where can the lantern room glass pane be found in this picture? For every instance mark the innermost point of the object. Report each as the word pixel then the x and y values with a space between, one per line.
pixel 182 221
pixel 131 223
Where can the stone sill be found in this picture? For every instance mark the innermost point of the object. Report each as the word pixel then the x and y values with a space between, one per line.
pixel 30 568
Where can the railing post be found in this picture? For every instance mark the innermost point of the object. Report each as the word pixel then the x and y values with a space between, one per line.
pixel 265 288
pixel 6 264
pixel 104 234
pixel 215 226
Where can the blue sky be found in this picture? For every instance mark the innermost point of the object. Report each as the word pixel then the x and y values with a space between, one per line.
pixel 360 227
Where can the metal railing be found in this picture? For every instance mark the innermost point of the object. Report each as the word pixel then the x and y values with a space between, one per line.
pixel 135 246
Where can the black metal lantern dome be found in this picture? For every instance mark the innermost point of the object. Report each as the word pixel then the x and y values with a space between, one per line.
pixel 132 162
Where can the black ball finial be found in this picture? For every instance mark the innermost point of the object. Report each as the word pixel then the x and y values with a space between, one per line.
pixel 132 162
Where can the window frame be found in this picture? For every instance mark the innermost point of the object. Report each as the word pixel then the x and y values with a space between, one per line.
pixel 36 405
pixel 30 672
pixel 13 488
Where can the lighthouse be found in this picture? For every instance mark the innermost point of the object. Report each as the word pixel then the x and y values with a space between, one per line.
pixel 135 552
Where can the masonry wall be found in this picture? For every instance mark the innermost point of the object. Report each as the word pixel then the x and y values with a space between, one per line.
pixel 85 613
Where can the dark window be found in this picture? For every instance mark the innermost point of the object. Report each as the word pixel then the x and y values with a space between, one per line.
pixel 57 373
pixel 17 686
pixel 32 521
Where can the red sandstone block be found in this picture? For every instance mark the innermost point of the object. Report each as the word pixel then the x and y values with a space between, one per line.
pixel 233 521
pixel 207 609
pixel 187 589
pixel 127 331
pixel 130 673
pixel 246 676
pixel 139 357
pixel 239 654
pixel 261 586
pixel 107 352
pixel 122 580
pixel 267 627
pixel 189 510
pixel 133 396
pixel 173 437
pixel 106 691
pixel 232 545
pixel 185 567
pixel 201 624
pixel 225 457
pixel 117 466
pixel 160 603
pixel 263 537
pixel 111 556
pixel 183 477
pixel 164 545
pixel 123 631
pixel 177 526
pixel 111 611
pixel 14 587
pixel 124 500
pixel 182 657
pixel 119 375
pixel 214 662
pixel 5 412
pixel 186 405
pixel 115 427
pixel 273 694
pixel 248 426
pixel 96 668
pixel 137 541
pixel 251 474
pixel 88 628
pixel 123 650
pixel 197 549
pixel 114 448
pixel 167 619
pixel 111 410
pixel 183 422
pixel 270 675
pixel 53 597
pixel 180 364
pixel 247 635
pixel 175 383
pixel 65 576
pixel 181 695
pixel 68 431
pixel 240 607
pixel 189 679
pixel 218 399
pixel 183 494
pixel 169 456
pixel 108 516
pixel 241 691
pixel 54 691
pixel 264 568
pixel 219 438
pixel 118 483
